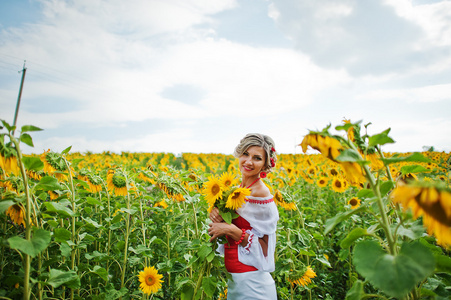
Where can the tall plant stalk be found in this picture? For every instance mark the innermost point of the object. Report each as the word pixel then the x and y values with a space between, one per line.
pixel 27 258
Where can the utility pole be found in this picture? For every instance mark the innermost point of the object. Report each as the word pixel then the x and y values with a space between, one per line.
pixel 24 70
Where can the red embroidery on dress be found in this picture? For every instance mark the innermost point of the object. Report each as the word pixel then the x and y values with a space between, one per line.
pixel 249 243
pixel 259 201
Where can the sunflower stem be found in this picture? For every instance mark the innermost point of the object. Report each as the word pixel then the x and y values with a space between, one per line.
pixel 384 219
pixel 127 233
pixel 74 209
pixel 27 258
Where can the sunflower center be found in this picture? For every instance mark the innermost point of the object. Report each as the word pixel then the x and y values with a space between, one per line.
pixel 150 280
pixel 338 183
pixel 353 202
pixel 215 189
pixel 235 195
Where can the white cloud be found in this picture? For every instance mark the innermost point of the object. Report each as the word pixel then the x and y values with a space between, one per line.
pixel 366 37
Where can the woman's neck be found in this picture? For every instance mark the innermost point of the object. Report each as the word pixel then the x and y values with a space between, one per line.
pixel 247 181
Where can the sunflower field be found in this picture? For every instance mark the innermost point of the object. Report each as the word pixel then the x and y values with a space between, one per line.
pixel 355 222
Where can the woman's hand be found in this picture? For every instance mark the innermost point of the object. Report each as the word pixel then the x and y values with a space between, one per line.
pixel 215 216
pixel 218 229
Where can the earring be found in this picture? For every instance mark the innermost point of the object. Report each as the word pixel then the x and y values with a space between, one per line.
pixel 263 174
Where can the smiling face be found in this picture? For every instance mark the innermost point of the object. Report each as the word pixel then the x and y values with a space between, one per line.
pixel 252 161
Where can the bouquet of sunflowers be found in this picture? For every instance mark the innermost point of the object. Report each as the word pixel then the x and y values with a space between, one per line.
pixel 221 192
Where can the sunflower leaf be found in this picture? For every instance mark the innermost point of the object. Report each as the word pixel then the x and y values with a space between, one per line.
pixel 356 292
pixel 32 163
pixel 60 209
pixel 26 138
pixel 65 151
pixel 27 128
pixel 395 275
pixel 415 157
pixel 332 222
pixel 354 235
pixel 380 139
pixel 101 272
pixel 38 243
pixel 413 169
pixel 4 205
pixel 209 285
pixel 67 278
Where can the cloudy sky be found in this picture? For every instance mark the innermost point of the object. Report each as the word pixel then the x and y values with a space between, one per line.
pixel 197 75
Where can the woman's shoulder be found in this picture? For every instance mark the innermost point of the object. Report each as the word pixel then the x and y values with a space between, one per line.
pixel 260 190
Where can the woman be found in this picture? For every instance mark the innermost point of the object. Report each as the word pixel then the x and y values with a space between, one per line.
pixel 249 253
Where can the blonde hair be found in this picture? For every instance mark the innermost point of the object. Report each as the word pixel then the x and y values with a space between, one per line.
pixel 261 140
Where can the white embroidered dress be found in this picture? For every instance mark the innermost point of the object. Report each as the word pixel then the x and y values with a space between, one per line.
pixel 262 215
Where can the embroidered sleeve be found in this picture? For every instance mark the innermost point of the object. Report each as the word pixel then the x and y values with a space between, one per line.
pixel 249 241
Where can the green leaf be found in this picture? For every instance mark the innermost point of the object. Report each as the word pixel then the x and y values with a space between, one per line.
pixel 26 128
pixel 350 155
pixel 332 222
pixel 356 292
pixel 443 263
pixel 26 139
pixel 380 139
pixel 415 157
pixel 413 169
pixel 93 201
pixel 204 251
pixel 209 286
pixel 60 209
pixel 386 187
pixel 365 194
pixel 67 278
pixel 32 163
pixel 227 216
pixel 48 183
pixel 65 249
pixel 65 151
pixel 4 205
pixel 187 292
pixel 395 275
pixel 8 127
pixel 38 243
pixel 101 272
pixel 355 234
pixel 61 235
pixel 324 261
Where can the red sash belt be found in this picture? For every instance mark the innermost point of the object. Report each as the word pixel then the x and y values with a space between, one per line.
pixel 232 264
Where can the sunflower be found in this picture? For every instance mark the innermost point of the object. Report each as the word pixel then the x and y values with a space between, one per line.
pixel 150 280
pixel 328 146
pixel 350 131
pixel 117 182
pixel 54 165
pixel 338 185
pixel 237 198
pixel 322 181
pixel 223 296
pixel 9 164
pixel 162 204
pixel 305 279
pixel 212 190
pixel 17 213
pixel 228 180
pixel 433 203
pixel 354 202
pixel 353 172
pixel 279 199
pixel 95 183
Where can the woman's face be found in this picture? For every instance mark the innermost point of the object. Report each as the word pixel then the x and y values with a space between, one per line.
pixel 252 161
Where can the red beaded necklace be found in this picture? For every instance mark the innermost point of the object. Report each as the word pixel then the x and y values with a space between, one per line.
pixel 241 185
